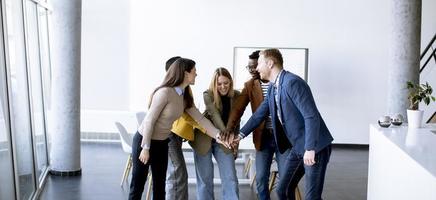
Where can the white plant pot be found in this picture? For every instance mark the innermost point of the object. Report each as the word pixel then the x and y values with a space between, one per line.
pixel 414 117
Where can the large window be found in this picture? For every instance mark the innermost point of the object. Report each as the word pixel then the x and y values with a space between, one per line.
pixel 7 191
pixel 24 85
pixel 19 101
pixel 35 80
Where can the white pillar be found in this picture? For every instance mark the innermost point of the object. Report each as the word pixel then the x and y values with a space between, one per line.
pixel 404 52
pixel 65 110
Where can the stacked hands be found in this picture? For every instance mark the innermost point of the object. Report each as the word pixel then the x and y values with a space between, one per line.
pixel 229 139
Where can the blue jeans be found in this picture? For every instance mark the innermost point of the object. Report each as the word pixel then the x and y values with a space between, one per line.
pixel 204 171
pixel 295 169
pixel 264 159
pixel 177 174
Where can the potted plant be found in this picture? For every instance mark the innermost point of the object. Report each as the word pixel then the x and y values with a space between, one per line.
pixel 417 94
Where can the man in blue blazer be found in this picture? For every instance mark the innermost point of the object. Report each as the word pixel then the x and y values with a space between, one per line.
pixel 297 125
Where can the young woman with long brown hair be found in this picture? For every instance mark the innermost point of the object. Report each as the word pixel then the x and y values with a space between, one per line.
pixel 150 143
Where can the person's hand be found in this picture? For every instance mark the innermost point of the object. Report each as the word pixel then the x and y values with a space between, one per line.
pixel 144 156
pixel 226 138
pixel 229 140
pixel 235 150
pixel 225 135
pixel 309 158
pixel 219 139
pixel 235 141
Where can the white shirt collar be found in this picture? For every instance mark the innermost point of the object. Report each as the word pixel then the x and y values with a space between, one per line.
pixel 179 91
pixel 277 81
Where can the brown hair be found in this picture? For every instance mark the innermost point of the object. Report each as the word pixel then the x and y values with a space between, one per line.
pixel 175 76
pixel 214 82
pixel 274 55
pixel 170 61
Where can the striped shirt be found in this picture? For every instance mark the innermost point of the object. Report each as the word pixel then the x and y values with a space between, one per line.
pixel 268 121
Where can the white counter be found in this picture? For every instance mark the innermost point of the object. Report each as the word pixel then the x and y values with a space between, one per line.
pixel 402 163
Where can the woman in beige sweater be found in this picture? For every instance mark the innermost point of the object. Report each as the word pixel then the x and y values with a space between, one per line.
pixel 150 143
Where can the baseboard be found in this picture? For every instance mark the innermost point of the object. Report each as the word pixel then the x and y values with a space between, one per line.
pixel 217 181
pixel 115 137
pixel 4 146
pixel 351 146
pixel 99 136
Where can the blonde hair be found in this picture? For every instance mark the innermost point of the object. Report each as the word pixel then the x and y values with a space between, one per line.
pixel 214 82
pixel 274 55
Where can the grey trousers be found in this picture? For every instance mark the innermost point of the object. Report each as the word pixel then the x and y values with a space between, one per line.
pixel 177 174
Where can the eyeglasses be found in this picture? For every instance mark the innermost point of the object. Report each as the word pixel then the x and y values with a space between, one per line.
pixel 251 69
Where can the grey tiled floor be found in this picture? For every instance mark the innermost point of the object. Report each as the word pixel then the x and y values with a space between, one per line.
pixel 102 166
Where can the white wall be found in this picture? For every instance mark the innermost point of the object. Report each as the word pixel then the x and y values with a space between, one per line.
pixel 428 29
pixel 348 48
pixel 105 55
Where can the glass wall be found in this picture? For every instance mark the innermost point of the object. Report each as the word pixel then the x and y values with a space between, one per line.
pixel 35 78
pixel 24 86
pixel 19 101
pixel 44 53
pixel 7 191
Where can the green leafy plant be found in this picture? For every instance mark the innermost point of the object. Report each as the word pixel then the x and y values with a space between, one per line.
pixel 418 93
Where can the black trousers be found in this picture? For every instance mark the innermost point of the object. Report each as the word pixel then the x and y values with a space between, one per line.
pixel 158 161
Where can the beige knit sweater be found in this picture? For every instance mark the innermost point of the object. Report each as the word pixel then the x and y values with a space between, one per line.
pixel 167 106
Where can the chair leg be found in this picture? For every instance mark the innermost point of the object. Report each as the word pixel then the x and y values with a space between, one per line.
pixel 126 170
pixel 297 193
pixel 252 180
pixel 149 179
pixel 129 167
pixel 248 167
pixel 272 181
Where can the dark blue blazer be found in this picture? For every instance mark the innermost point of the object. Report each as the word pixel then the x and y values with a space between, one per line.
pixel 302 125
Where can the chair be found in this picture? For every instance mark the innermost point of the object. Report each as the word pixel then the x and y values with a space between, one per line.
pixel 126 143
pixel 139 117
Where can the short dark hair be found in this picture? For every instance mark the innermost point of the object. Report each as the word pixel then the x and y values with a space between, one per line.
pixel 170 61
pixel 254 55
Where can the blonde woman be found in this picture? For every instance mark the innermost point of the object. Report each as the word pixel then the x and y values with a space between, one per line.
pixel 219 99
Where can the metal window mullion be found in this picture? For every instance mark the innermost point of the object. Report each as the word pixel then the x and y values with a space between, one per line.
pixel 42 92
pixel 43 4
pixel 3 31
pixel 43 78
pixel 29 89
